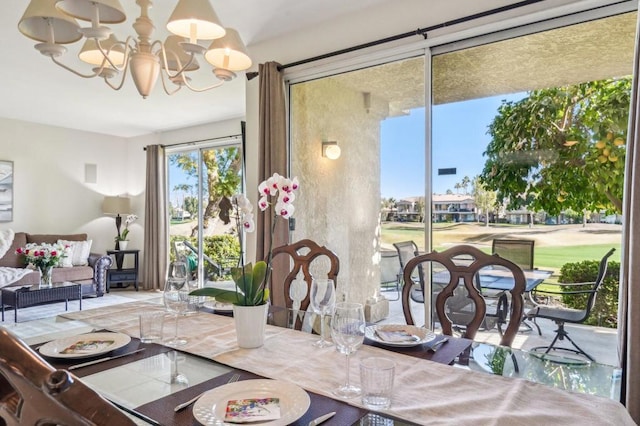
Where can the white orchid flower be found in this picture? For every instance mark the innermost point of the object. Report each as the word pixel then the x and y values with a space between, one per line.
pixel 263 203
pixel 265 188
pixel 247 223
pixel 242 202
pixel 285 210
pixel 295 184
pixel 286 197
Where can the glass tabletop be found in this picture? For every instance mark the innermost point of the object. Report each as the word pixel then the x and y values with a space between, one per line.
pixel 553 370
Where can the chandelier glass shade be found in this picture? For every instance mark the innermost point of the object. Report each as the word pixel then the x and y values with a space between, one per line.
pixel 53 24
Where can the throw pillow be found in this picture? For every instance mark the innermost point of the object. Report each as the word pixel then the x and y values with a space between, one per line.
pixel 67 260
pixel 80 251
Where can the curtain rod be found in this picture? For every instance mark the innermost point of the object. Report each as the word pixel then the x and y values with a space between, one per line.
pixel 198 141
pixel 420 31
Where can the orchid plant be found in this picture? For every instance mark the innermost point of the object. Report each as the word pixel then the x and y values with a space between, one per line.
pixel 125 232
pixel 252 280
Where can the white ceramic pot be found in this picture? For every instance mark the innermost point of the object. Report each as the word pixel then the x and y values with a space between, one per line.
pixel 123 244
pixel 250 323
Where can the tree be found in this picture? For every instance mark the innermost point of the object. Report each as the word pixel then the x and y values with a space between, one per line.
pixel 221 169
pixel 485 200
pixel 561 148
pixel 457 186
pixel 464 184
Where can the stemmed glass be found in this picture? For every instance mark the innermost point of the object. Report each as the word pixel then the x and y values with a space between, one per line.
pixel 322 300
pixel 176 298
pixel 347 331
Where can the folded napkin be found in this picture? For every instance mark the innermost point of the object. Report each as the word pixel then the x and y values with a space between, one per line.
pixel 252 410
pixel 396 336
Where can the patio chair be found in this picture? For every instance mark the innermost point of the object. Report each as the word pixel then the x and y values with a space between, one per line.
pixel 306 258
pixel 520 252
pixel 461 265
pixel 32 392
pixel 213 269
pixel 517 251
pixel 390 272
pixel 561 315
pixel 407 250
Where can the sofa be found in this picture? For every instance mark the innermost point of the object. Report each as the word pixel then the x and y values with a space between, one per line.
pixel 93 276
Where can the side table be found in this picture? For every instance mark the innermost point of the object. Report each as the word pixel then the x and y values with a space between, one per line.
pixel 121 275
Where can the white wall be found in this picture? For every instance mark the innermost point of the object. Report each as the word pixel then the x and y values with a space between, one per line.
pixel 50 195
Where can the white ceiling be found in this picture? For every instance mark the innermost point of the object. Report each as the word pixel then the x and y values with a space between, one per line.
pixel 36 90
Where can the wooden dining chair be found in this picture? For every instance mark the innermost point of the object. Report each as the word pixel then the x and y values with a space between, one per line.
pixel 306 260
pixel 32 392
pixel 461 265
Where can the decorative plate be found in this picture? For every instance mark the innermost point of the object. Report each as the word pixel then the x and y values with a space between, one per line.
pixel 210 408
pixel 399 335
pixel 84 345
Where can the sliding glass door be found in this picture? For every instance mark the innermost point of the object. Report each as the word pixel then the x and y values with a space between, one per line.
pixel 198 179
pixel 353 204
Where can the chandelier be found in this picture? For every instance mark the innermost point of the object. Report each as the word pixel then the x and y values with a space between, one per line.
pixel 53 23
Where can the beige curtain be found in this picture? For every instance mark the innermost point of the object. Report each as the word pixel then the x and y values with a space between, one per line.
pixel 272 145
pixel 629 307
pixel 154 265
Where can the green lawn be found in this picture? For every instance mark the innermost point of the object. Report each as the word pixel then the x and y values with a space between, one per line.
pixel 546 257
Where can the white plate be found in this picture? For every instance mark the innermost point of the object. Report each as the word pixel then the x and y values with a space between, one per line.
pixel 294 401
pixel 102 343
pixel 219 306
pixel 422 334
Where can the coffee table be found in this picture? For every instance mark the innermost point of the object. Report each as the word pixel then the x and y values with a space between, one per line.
pixel 22 297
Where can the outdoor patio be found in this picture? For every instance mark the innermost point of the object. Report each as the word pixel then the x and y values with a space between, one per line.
pixel 601 343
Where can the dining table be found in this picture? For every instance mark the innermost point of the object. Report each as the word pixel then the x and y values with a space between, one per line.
pixel 456 384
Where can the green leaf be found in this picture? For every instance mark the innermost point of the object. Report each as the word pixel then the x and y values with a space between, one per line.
pixel 259 274
pixel 225 296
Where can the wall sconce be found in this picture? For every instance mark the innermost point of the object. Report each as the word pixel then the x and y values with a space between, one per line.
pixel 331 150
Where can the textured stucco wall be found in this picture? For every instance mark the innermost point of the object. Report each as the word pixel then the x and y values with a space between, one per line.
pixel 339 201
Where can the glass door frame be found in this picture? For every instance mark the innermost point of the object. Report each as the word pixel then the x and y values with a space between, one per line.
pixel 234 141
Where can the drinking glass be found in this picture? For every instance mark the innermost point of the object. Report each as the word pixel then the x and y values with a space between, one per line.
pixel 176 300
pixel 347 331
pixel 322 300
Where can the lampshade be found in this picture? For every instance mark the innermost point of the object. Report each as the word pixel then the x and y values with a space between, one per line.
pixel 116 205
pixel 229 52
pixel 92 55
pixel 36 19
pixel 110 11
pixel 195 19
pixel 172 47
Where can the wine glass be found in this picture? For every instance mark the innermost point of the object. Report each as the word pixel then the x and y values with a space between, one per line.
pixel 322 300
pixel 347 332
pixel 176 300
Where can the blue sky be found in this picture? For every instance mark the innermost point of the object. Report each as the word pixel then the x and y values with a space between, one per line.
pixel 459 139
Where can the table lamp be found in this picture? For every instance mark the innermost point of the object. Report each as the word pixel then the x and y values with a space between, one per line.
pixel 116 206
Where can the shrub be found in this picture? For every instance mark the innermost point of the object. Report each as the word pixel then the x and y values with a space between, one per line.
pixel 605 310
pixel 222 249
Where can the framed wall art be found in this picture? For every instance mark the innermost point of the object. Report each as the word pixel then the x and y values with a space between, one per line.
pixel 6 191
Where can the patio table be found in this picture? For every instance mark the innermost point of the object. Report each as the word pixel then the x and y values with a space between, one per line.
pixel 425 392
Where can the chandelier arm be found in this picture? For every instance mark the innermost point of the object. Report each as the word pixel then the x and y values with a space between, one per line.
pixel 119 86
pixel 79 74
pixel 164 85
pixel 177 58
pixel 204 89
pixel 127 53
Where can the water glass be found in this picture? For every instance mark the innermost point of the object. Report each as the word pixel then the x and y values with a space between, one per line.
pixel 347 332
pixel 322 300
pixel 151 326
pixel 376 380
pixel 176 301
